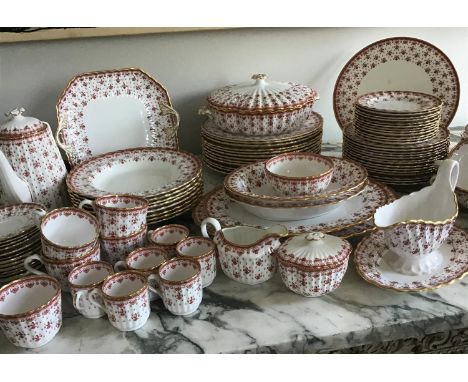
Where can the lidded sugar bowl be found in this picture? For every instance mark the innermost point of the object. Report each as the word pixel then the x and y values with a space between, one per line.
pixel 313 264
pixel 31 167
pixel 260 107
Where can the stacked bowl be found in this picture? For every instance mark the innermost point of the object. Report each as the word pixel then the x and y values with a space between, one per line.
pixel 255 121
pixel 396 135
pixel 19 238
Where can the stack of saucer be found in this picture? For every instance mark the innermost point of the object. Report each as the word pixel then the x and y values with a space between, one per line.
pixel 224 151
pixel 396 135
pixel 19 238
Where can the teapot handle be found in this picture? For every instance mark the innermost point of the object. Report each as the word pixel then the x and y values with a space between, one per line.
pixel 166 109
pixel 59 137
pixel 448 171
pixel 211 221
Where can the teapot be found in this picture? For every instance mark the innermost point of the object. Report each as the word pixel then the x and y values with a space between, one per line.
pixel 246 254
pixel 31 167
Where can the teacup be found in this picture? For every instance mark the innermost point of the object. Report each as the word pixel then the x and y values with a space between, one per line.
pixel 298 174
pixel 61 268
pixel 116 249
pixel 67 233
pixel 82 280
pixel 124 297
pixel 168 236
pixel 119 215
pixel 31 311
pixel 204 251
pixel 179 284
pixel 145 260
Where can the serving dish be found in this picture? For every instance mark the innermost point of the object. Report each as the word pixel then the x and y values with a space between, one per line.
pixel 110 110
pixel 405 63
pixel 260 108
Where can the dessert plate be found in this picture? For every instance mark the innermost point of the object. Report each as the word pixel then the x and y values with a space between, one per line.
pixel 249 184
pixel 111 110
pixel 371 254
pixel 399 102
pixel 351 212
pixel 397 63
pixel 18 219
pixel 140 171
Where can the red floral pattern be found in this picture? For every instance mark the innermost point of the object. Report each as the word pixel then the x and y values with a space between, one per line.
pixel 118 248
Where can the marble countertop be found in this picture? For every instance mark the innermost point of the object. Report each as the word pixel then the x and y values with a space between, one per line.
pixel 237 318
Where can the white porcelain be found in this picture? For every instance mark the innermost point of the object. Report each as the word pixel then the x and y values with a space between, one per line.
pixel 313 264
pixel 416 225
pixel 249 184
pixel 261 107
pixel 403 63
pixel 146 260
pixel 179 283
pixel 354 211
pixel 119 215
pixel 167 237
pixel 373 262
pixel 246 254
pixel 124 297
pixel 399 102
pixel 116 249
pixel 31 311
pixel 298 174
pixel 139 171
pixel 31 167
pixel 204 251
pixel 60 269
pixel 82 280
pixel 460 154
pixel 112 110
pixel 17 219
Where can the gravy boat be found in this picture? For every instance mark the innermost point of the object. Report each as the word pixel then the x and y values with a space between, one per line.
pixel 416 225
pixel 246 254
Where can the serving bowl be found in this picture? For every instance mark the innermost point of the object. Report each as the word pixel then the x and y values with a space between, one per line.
pixel 297 174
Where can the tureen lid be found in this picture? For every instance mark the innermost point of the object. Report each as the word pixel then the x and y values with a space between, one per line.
pixel 315 250
pixel 261 96
pixel 19 124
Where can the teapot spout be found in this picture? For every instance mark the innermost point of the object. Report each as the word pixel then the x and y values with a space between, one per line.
pixel 14 189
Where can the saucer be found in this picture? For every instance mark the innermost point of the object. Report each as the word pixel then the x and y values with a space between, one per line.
pixel 371 260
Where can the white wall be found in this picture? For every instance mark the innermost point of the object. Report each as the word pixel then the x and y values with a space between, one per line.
pixel 191 64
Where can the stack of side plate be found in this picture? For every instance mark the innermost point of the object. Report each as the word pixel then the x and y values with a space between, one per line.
pixel 170 180
pixel 223 151
pixel 19 238
pixel 396 136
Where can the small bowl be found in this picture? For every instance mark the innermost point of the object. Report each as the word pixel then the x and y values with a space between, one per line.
pixel 299 174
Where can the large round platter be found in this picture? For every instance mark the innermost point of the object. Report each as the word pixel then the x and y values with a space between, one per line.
pixel 371 254
pixel 113 110
pixel 141 171
pixel 351 212
pixel 250 184
pixel 403 62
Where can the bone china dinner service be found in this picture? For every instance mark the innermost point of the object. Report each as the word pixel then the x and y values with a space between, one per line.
pixel 282 208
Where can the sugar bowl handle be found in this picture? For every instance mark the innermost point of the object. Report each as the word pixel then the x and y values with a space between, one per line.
pixel 211 221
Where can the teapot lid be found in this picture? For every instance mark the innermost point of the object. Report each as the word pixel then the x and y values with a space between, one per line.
pixel 19 124
pixel 315 250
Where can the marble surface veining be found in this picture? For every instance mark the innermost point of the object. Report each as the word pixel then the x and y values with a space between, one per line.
pixel 237 318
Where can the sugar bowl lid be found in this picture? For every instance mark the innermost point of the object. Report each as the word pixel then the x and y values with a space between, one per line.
pixel 19 124
pixel 261 96
pixel 315 250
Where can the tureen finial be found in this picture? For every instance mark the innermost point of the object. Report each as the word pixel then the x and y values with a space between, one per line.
pixel 15 112
pixel 259 77
pixel 315 236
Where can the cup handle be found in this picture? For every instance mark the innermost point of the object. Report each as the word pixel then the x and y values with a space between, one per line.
pixel 77 298
pixel 148 235
pixel 120 266
pixel 156 288
pixel 86 202
pixel 95 299
pixel 211 221
pixel 40 213
pixel 28 267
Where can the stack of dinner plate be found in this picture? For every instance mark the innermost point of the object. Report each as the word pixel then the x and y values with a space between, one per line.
pixel 170 180
pixel 396 135
pixel 19 238
pixel 223 151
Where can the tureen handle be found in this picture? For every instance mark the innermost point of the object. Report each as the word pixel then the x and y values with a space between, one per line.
pixel 211 221
pixel 259 79
pixel 63 124
pixel 165 110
